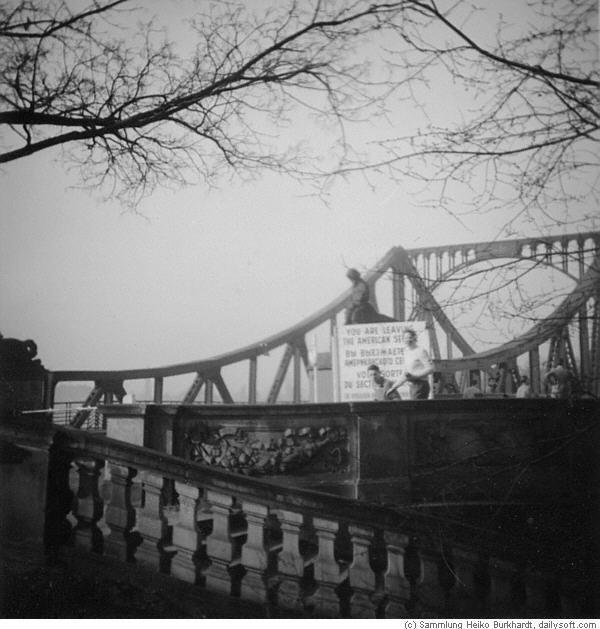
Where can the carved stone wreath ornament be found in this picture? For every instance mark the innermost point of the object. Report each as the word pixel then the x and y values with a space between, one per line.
pixel 317 449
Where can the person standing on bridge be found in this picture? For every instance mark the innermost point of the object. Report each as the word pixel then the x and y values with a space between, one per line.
pixel 417 367
pixel 524 389
pixel 559 380
pixel 359 301
pixel 473 390
pixel 380 385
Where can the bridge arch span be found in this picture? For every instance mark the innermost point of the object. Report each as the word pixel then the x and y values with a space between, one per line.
pixel 420 270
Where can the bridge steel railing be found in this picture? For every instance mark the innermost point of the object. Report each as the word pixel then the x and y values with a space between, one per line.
pixel 285 549
pixel 420 271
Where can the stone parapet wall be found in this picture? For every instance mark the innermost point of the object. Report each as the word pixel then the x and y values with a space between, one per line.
pixel 384 451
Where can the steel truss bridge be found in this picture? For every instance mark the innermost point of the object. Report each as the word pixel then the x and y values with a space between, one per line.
pixel 571 333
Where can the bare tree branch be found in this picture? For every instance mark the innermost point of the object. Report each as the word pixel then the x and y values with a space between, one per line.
pixel 128 108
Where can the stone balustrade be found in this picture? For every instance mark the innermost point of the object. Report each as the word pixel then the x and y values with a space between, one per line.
pixel 293 551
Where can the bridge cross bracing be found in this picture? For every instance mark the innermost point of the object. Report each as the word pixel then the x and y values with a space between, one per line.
pixel 571 332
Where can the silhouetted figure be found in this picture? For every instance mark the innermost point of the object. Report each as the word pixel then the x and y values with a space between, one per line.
pixel 360 309
pixel 559 381
pixel 473 390
pixel 113 387
pixel 502 378
pixel 492 381
pixel 524 390
pixel 515 379
pixel 359 301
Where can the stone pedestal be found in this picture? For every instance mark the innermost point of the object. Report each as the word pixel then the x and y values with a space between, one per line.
pixel 125 422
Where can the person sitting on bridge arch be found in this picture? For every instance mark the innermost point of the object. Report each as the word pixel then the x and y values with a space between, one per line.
pixel 380 385
pixel 359 299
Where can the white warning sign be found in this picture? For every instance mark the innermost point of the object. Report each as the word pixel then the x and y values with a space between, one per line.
pixel 363 344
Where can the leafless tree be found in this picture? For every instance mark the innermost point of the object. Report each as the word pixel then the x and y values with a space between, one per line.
pixel 134 112
pixel 529 139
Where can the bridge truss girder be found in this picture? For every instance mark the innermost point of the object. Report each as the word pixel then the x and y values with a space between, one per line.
pixel 420 271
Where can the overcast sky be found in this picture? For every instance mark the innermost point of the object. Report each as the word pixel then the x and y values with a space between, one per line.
pixel 195 272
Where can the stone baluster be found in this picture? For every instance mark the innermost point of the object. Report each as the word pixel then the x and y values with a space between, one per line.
pixel 105 493
pixel 413 571
pixel 329 574
pixel 291 564
pixel 571 606
pixel 204 524
pixel 535 594
pixel 397 587
pixel 73 479
pixel 361 576
pixel 465 569
pixel 447 580
pixel 87 503
pixel 501 573
pixel 59 522
pixel 431 593
pixel 149 521
pixel 221 545
pixel 185 534
pixel 255 557
pixel 119 514
pixel 482 580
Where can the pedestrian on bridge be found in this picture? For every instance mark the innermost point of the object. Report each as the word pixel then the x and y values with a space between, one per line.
pixel 524 389
pixel 559 379
pixel 417 367
pixel 380 385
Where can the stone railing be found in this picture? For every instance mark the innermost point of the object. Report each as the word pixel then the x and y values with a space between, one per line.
pixel 290 550
pixel 297 550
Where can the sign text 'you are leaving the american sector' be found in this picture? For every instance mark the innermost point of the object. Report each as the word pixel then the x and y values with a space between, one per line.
pixel 364 344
